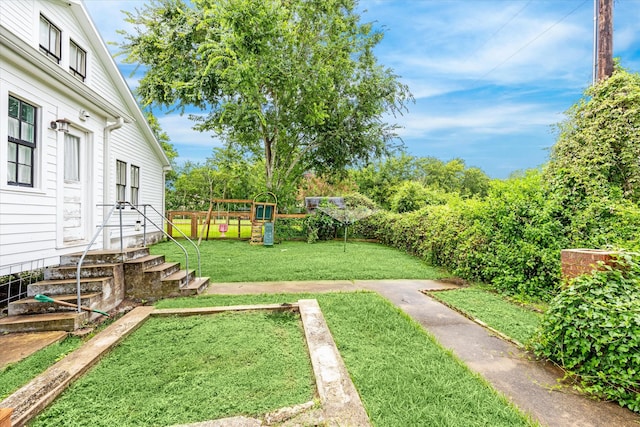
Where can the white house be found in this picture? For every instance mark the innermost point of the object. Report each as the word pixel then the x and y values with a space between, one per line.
pixel 73 140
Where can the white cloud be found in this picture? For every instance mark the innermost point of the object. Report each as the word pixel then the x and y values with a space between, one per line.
pixel 474 46
pixel 180 131
pixel 502 119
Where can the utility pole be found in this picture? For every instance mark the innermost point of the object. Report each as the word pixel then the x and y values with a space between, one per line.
pixel 605 39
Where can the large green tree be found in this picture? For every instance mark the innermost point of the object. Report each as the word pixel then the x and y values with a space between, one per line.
pixel 294 82
pixel 381 179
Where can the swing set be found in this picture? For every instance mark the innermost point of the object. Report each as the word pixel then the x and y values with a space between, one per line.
pixel 257 212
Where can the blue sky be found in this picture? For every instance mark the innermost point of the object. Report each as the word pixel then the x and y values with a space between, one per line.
pixel 490 78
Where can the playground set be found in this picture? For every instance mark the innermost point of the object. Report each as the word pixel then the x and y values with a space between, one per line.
pixel 259 214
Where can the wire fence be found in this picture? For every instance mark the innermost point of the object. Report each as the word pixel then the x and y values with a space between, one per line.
pixel 15 278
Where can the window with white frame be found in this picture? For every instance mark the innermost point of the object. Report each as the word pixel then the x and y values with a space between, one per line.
pixel 77 61
pixel 121 181
pixel 21 142
pixel 135 184
pixel 50 43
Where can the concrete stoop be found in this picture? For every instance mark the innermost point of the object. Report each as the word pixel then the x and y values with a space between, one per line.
pixel 107 277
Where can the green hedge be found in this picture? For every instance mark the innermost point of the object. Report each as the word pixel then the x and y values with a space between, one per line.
pixel 592 328
pixel 512 238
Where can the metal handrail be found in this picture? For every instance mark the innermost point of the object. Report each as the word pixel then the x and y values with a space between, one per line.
pixel 120 206
pixel 86 251
pixel 175 227
pixel 161 228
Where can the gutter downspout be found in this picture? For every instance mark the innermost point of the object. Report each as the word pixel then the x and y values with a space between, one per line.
pixel 165 170
pixel 106 182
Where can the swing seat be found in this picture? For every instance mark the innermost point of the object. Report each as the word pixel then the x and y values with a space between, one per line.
pixel 223 228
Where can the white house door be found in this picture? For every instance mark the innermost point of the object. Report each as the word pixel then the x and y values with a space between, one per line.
pixel 75 186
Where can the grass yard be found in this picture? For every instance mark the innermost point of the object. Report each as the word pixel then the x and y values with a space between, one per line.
pixel 512 320
pixel 238 261
pixel 189 369
pixel 403 376
pixel 15 375
pixel 181 370
pixel 184 225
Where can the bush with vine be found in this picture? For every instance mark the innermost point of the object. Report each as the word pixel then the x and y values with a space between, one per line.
pixel 320 226
pixel 592 329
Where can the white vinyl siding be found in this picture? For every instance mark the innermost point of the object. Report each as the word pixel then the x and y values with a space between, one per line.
pixel 32 217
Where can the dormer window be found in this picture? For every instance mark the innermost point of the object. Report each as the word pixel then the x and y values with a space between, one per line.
pixel 50 43
pixel 77 61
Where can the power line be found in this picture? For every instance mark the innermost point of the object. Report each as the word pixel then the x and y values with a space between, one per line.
pixel 499 29
pixel 532 40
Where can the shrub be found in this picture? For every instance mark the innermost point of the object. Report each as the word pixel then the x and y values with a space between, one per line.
pixel 290 229
pixel 511 238
pixel 320 226
pixel 592 329
pixel 354 200
pixel 411 196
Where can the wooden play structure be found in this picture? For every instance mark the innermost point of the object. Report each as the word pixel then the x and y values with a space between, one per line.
pixel 223 214
pixel 232 217
pixel 263 218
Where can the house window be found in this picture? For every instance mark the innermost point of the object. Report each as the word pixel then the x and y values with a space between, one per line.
pixel 71 158
pixel 77 61
pixel 135 184
pixel 50 39
pixel 121 181
pixel 22 142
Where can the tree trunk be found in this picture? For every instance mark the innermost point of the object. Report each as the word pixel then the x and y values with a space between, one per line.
pixel 268 163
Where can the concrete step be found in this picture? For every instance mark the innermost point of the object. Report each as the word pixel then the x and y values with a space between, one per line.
pixel 147 261
pixel 31 306
pixel 161 271
pixel 69 286
pixel 196 286
pixel 111 256
pixel 43 322
pixel 178 280
pixel 90 270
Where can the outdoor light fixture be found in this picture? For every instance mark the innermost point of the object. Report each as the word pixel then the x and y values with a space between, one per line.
pixel 61 125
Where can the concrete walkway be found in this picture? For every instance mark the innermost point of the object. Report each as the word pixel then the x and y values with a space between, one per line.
pixel 531 385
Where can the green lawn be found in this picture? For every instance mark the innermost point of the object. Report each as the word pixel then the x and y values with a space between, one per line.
pixel 189 369
pixel 238 261
pixel 14 376
pixel 184 225
pixel 512 320
pixel 403 376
